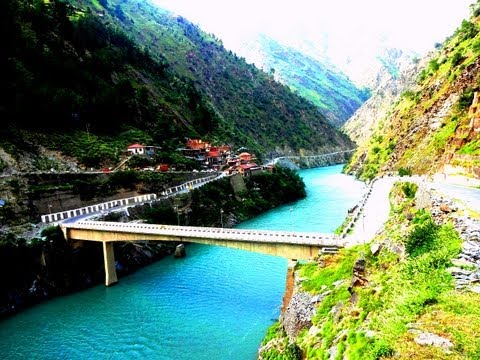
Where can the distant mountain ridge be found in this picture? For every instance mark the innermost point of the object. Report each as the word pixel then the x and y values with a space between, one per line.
pixel 250 105
pixel 389 85
pixel 320 82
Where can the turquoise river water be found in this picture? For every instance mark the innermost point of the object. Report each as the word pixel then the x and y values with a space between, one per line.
pixel 216 303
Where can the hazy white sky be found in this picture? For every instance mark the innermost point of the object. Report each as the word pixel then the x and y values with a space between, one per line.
pixel 416 24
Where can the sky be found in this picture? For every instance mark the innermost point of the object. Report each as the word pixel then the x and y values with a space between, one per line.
pixel 417 24
pixel 348 33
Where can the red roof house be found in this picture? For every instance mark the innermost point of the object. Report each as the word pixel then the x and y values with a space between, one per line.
pixel 248 169
pixel 136 149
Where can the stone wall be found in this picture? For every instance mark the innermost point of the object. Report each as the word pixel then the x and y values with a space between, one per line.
pixel 306 162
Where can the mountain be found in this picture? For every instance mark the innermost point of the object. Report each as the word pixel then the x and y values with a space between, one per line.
pixel 388 87
pixel 321 83
pixel 87 78
pixel 251 105
pixel 434 126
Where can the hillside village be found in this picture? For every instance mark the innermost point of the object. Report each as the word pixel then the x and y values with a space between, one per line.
pixel 190 112
pixel 205 157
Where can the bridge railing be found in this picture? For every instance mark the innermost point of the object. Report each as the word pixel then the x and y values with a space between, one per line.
pixel 62 215
pixel 308 238
pixel 188 185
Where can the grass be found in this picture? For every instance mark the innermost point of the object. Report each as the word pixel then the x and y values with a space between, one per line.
pixel 400 293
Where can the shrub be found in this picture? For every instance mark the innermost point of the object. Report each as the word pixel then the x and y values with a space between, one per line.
pixel 465 99
pixel 433 65
pixel 381 349
pixel 293 352
pixel 3 165
pixel 409 189
pixel 457 58
pixel 404 171
pixel 421 239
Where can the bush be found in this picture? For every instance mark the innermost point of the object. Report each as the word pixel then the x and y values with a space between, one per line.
pixel 404 171
pixel 465 99
pixel 457 58
pixel 381 349
pixel 433 65
pixel 409 189
pixel 421 239
pixel 293 352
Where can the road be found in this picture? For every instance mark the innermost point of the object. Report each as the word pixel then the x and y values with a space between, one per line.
pixel 469 196
pixel 377 207
pixel 91 215
pixel 374 214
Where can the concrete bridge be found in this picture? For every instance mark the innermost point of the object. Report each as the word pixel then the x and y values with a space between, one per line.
pixel 290 245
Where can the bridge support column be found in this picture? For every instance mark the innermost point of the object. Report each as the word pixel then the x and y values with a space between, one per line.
pixel 109 261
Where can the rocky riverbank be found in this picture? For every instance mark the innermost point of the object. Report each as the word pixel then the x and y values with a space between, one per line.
pixel 45 268
pixel 35 267
pixel 411 293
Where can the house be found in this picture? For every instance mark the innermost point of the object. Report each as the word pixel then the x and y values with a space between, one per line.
pixel 245 157
pixel 225 149
pixel 269 168
pixel 163 167
pixel 214 156
pixel 233 160
pixel 197 144
pixel 248 169
pixel 135 149
pixel 139 149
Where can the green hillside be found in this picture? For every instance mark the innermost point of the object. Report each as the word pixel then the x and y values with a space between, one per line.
pixel 328 88
pixel 88 78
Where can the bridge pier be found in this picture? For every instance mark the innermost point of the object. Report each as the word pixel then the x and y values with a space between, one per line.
pixel 109 261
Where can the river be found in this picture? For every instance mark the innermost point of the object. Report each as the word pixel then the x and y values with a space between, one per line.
pixel 216 303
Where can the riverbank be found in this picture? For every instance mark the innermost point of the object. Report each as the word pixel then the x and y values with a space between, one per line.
pixel 39 269
pixel 216 303
pixel 395 297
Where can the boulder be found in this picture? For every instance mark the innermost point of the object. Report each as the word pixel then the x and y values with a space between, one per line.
pixel 359 266
pixel 298 315
pixel 375 248
pixel 445 208
pixel 426 338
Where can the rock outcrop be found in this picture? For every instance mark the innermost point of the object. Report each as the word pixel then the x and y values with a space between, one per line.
pixel 298 315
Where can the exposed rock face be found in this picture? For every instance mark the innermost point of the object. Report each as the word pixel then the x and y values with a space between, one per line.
pixel 305 162
pixel 466 267
pixel 298 315
pixel 388 88
pixel 424 130
pixel 426 338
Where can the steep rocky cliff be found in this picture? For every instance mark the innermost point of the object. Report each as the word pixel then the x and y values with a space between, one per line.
pixel 387 87
pixel 433 126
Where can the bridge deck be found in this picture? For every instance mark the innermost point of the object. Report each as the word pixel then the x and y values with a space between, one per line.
pixel 291 245
pixel 186 232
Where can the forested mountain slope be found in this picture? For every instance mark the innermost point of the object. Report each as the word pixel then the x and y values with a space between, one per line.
pixel 89 77
pixel 238 91
pixel 430 130
pixel 321 83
